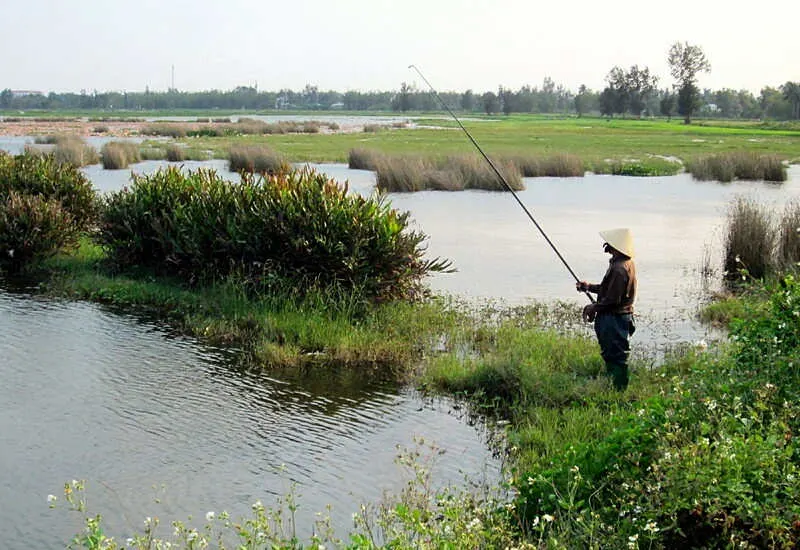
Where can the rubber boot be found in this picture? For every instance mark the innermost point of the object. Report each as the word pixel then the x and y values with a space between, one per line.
pixel 619 375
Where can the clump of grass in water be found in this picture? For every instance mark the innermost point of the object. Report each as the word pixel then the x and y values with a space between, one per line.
pixel 73 150
pixel 166 129
pixel 363 159
pixel 558 166
pixel 176 153
pixel 153 153
pixel 749 240
pixel 742 165
pixel 258 159
pixel 403 174
pixel 120 154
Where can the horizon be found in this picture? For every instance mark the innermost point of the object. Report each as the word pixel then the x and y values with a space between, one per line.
pixel 365 46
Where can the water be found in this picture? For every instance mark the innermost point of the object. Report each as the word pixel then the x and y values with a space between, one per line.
pixel 118 400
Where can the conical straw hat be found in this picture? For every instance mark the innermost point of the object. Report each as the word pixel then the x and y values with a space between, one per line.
pixel 621 239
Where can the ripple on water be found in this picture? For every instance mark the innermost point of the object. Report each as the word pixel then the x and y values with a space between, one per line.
pixel 89 393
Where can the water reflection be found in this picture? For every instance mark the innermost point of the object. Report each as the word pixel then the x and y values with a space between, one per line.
pixel 115 399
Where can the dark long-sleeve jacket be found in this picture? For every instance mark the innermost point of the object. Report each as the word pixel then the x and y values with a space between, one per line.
pixel 617 291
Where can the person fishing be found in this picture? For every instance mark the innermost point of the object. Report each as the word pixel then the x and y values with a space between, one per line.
pixel 612 313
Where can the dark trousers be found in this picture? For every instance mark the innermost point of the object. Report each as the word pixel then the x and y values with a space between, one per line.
pixel 613 333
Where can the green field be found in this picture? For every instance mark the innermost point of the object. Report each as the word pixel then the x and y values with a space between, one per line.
pixel 592 139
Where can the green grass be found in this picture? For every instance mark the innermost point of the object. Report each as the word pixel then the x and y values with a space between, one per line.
pixel 594 140
pixel 276 331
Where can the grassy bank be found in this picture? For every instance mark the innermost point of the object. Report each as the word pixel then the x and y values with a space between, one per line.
pixel 273 330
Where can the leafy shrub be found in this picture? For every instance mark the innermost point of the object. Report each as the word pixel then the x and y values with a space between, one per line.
pixel 32 228
pixel 35 174
pixel 297 226
pixel 256 159
pixel 119 154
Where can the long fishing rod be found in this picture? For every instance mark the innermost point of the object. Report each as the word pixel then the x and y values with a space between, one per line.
pixel 501 178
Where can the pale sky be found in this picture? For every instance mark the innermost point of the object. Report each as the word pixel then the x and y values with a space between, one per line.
pixel 69 45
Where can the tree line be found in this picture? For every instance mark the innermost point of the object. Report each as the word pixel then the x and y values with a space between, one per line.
pixel 634 91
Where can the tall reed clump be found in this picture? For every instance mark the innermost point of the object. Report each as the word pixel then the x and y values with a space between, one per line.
pixel 258 159
pixel 561 165
pixel 176 153
pixel 44 206
pixel 297 229
pixel 167 129
pixel 749 240
pixel 475 173
pixel 363 159
pixel 119 154
pixel 73 150
pixel 789 238
pixel 741 165
pixel 403 174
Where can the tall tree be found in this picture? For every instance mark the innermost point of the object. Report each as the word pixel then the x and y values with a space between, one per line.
pixel 490 103
pixel 791 92
pixel 467 101
pixel 685 62
pixel 608 102
pixel 581 103
pixel 639 84
pixel 667 104
pixel 618 84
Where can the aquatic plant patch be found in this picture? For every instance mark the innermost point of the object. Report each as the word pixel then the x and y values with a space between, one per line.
pixel 296 226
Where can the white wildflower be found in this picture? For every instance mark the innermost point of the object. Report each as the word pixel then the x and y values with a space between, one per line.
pixel 209 516
pixel 51 498
pixel 651 527
pixel 548 518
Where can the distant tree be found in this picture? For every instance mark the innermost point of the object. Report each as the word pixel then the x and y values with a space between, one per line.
pixel 727 101
pixel 468 101
pixel 774 104
pixel 639 84
pixel 402 101
pixel 506 97
pixel 791 92
pixel 581 101
pixel 548 99
pixel 5 98
pixel 608 102
pixel 685 62
pixel 490 103
pixel 667 104
pixel 525 100
pixel 618 84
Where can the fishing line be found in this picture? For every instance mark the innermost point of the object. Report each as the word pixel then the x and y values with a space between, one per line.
pixel 501 178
